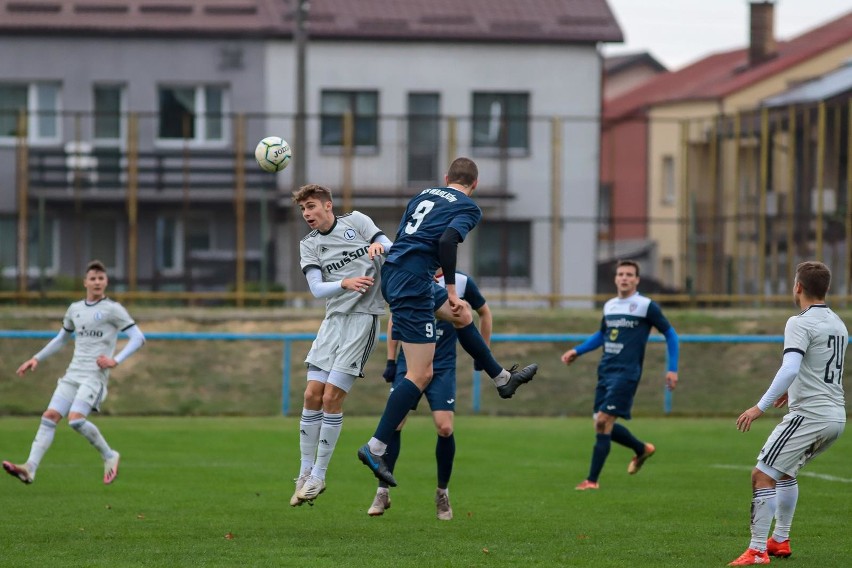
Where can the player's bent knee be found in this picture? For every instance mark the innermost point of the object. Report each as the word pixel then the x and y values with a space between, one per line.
pixel 52 415
pixel 445 431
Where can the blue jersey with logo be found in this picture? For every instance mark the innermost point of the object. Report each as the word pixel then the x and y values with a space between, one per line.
pixel 626 325
pixel 445 347
pixel 426 217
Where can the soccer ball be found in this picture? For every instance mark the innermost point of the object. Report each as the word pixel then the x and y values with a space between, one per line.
pixel 273 154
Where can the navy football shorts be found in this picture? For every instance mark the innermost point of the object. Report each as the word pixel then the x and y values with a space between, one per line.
pixel 440 392
pixel 614 395
pixel 412 304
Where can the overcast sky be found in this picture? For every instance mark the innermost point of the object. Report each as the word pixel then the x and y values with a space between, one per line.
pixel 678 32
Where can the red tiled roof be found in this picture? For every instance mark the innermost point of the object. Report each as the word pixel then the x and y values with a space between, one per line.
pixel 721 74
pixel 541 21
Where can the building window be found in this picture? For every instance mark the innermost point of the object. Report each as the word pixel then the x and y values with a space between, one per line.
pixel 668 180
pixel 198 234
pixel 176 238
pixel 501 120
pixel 108 108
pixel 193 113
pixel 364 106
pixel 36 255
pixel 503 251
pixel 168 254
pixel 40 100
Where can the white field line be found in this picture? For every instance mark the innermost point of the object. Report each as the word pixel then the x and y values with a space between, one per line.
pixel 823 476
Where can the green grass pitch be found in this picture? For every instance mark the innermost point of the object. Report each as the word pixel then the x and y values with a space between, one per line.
pixel 214 492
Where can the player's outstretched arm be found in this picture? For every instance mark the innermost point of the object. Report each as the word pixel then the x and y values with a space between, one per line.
pixel 671 380
pixel 52 347
pixel 569 356
pixel 747 417
pixel 29 365
pixel 593 342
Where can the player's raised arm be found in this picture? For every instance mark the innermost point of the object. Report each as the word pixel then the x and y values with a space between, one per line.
pixel 51 348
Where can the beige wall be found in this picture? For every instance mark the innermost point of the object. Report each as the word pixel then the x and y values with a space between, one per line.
pixel 664 133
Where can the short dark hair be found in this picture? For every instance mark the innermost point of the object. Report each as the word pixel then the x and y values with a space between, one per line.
pixel 632 263
pixel 96 265
pixel 312 190
pixel 815 278
pixel 463 171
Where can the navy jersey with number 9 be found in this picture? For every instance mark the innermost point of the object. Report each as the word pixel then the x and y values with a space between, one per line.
pixel 427 216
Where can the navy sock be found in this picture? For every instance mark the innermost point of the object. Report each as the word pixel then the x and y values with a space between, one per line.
pixel 392 453
pixel 472 342
pixel 623 436
pixel 599 454
pixel 400 401
pixel 445 453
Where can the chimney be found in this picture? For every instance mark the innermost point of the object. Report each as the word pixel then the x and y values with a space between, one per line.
pixel 761 45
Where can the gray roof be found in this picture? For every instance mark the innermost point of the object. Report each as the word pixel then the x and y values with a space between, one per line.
pixel 528 21
pixel 822 88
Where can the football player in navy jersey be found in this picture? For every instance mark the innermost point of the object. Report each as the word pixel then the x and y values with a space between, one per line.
pixel 435 222
pixel 625 327
pixel 440 393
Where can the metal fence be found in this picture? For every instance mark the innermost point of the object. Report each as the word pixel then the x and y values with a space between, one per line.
pixel 729 203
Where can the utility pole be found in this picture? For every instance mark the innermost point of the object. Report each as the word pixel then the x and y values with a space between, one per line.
pixel 300 146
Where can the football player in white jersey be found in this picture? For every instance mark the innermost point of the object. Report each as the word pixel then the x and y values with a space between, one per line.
pixel 810 383
pixel 341 258
pixel 96 323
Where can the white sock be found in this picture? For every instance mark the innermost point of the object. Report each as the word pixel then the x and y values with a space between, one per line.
pixel 762 512
pixel 377 447
pixel 329 433
pixel 309 434
pixel 502 378
pixel 93 435
pixel 786 495
pixel 382 491
pixel 42 441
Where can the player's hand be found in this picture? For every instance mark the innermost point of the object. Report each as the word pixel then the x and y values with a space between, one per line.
pixel 569 356
pixel 105 362
pixel 358 284
pixel 671 380
pixel 782 400
pixel 375 250
pixel 456 304
pixel 747 417
pixel 390 371
pixel 27 366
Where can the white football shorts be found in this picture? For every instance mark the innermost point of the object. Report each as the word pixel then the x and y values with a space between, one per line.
pixel 796 441
pixel 344 343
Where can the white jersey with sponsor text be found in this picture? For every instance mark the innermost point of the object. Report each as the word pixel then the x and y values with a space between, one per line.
pixel 96 327
pixel 821 337
pixel 342 253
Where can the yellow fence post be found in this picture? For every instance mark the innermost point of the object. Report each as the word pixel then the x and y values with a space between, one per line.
pixel 132 201
pixel 761 213
pixel 820 175
pixel 735 243
pixel 791 190
pixel 849 198
pixel 240 208
pixel 555 211
pixel 23 204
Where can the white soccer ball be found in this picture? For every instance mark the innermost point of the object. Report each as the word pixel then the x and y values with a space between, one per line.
pixel 273 154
